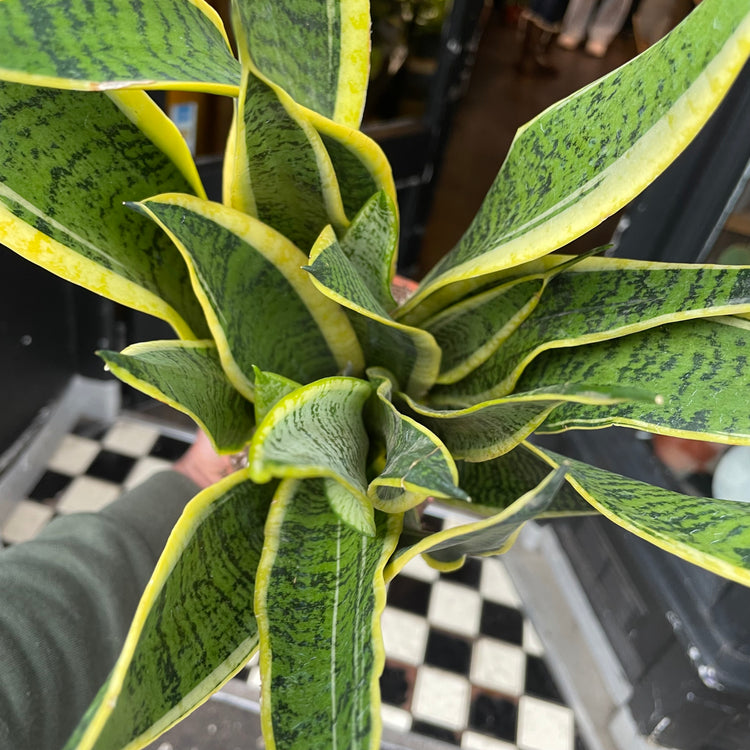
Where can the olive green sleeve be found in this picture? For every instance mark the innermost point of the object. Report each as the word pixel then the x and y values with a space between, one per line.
pixel 66 600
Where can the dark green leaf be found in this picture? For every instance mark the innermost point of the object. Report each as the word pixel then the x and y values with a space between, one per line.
pixel 469 332
pixel 280 171
pixel 714 534
pixel 315 431
pixel 489 429
pixel 328 69
pixel 587 156
pixel 496 484
pixel 187 375
pixel 321 650
pixel 68 160
pixel 371 245
pixel 270 388
pixel 418 359
pixel 74 44
pixel 490 536
pixel 250 282
pixel 195 626
pixel 602 299
pixel 361 167
pixel 699 366
pixel 417 465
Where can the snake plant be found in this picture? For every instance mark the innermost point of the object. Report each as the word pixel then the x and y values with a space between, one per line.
pixel 354 410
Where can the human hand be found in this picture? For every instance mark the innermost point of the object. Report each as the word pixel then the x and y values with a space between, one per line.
pixel 203 464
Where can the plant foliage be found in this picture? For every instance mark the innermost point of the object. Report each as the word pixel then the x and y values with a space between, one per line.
pixel 354 410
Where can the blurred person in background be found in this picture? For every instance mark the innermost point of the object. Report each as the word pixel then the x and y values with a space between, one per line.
pixel 538 26
pixel 597 21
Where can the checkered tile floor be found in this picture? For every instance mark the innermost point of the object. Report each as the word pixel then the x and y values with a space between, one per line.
pixel 463 663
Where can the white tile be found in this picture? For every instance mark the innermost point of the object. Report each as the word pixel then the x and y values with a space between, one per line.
pixel 455 607
pixel 532 644
pixel 498 666
pixel 544 726
pixel 496 584
pixel 87 494
pixel 441 698
pixel 253 677
pixel 130 438
pixel 475 741
pixel 26 521
pixel 419 569
pixel 145 468
pixel 404 635
pixel 395 718
pixel 452 520
pixel 74 455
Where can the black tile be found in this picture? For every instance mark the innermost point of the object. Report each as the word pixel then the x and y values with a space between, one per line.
pixel 168 448
pixel 430 730
pixel 431 523
pixel 470 573
pixel 51 484
pixel 539 681
pixel 243 674
pixel 409 594
pixel 702 483
pixel 91 429
pixel 494 716
pixel 394 685
pixel 448 652
pixel 499 621
pixel 113 467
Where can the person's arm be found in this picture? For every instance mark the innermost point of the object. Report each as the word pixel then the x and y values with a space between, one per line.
pixel 67 598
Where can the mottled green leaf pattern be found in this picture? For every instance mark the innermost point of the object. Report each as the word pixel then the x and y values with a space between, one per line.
pixel 416 464
pixel 489 429
pixel 195 626
pixel 501 339
pixel 333 442
pixel 253 287
pixel 469 332
pixel 270 388
pixel 671 360
pixel 714 534
pixel 361 167
pixel 281 172
pixel 321 650
pixel 353 508
pixel 490 536
pixel 589 155
pixel 371 245
pixel 356 181
pixel 187 375
pixel 76 139
pixel 329 66
pixel 379 335
pixel 496 484
pixel 75 44
pixel 581 307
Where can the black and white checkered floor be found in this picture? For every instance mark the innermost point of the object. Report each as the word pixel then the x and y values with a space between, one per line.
pixel 463 663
